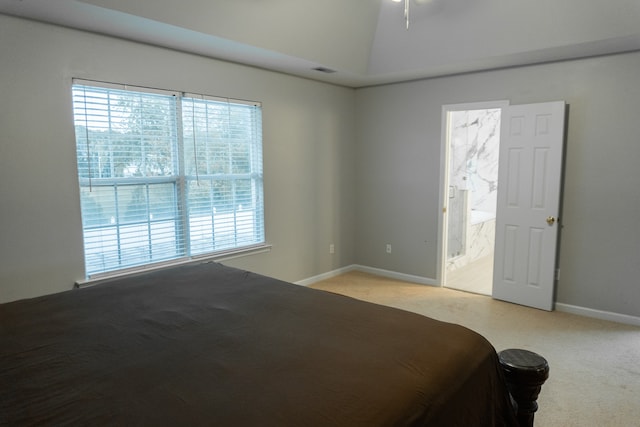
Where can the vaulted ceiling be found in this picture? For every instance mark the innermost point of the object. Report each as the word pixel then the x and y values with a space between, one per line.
pixel 365 42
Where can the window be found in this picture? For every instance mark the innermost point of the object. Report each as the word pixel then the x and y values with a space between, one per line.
pixel 165 175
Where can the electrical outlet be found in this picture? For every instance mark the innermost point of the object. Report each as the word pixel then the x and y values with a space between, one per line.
pixel 332 248
pixel 388 248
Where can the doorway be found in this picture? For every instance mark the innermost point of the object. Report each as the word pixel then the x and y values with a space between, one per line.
pixel 471 143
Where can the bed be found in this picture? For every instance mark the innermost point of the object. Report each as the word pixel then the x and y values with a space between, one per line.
pixel 207 344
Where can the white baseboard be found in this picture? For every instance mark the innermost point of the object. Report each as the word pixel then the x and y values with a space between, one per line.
pixel 377 271
pixel 567 308
pixel 395 275
pixel 324 276
pixel 599 314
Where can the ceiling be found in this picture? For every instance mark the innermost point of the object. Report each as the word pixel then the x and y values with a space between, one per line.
pixel 365 42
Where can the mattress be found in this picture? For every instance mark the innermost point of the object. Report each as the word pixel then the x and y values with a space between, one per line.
pixel 210 345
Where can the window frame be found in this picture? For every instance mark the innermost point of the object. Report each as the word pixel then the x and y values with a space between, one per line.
pixel 180 180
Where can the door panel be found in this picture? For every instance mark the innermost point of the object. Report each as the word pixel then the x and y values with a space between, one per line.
pixel 530 173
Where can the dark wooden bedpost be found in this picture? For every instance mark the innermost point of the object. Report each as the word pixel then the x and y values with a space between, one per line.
pixel 524 372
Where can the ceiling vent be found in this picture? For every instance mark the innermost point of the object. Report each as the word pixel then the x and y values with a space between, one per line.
pixel 324 70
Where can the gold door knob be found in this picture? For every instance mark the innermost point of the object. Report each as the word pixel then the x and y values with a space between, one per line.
pixel 551 220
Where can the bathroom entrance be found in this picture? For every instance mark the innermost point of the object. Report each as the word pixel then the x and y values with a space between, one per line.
pixel 471 144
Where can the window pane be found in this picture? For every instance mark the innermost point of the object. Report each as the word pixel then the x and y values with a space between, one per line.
pixel 224 214
pixel 98 206
pixel 201 217
pixel 123 133
pixel 132 204
pixel 100 229
pixel 223 161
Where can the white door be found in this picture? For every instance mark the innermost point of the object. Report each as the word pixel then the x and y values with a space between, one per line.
pixel 529 181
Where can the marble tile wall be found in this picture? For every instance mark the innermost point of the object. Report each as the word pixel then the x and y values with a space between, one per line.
pixel 474 156
pixel 473 187
pixel 457 223
pixel 479 243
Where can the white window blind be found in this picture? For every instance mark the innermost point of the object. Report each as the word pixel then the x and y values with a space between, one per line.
pixel 164 175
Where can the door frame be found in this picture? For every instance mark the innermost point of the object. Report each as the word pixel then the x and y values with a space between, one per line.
pixel 441 270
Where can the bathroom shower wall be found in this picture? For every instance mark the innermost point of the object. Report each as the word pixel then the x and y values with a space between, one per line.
pixel 473 184
pixel 474 156
pixel 457 222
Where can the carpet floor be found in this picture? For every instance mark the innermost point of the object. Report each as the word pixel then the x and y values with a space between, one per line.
pixel 594 364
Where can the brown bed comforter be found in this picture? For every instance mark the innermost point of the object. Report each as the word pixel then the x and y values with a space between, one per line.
pixel 212 345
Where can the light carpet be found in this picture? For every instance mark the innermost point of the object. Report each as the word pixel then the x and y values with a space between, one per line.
pixel 594 364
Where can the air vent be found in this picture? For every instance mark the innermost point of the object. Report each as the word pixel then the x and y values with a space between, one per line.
pixel 325 70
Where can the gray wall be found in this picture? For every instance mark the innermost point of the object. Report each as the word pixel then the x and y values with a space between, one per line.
pixel 398 172
pixel 358 168
pixel 309 135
